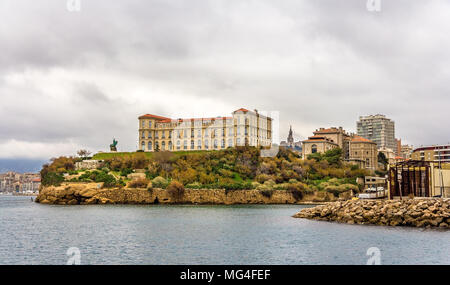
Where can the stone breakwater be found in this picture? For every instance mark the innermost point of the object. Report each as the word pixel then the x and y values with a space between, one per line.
pixel 410 212
pixel 90 193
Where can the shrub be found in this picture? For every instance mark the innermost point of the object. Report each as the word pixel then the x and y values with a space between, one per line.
pixel 138 183
pixel 175 190
pixel 269 183
pixel 255 185
pixel 126 171
pixel 267 193
pixel 261 178
pixel 52 178
pixel 194 185
pixel 159 182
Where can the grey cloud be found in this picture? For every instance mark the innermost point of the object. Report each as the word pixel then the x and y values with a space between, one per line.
pixel 320 63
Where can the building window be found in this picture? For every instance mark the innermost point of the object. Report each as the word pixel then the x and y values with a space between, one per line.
pixel 143 145
pixel 178 144
pixel 223 143
pixel 230 142
pixel 149 134
pixel 313 148
pixel 149 124
pixel 199 133
pixel 143 134
pixel 185 144
pixel 150 146
pixel 238 141
pixel 206 144
pixel 163 146
pixel 199 144
pixel 170 145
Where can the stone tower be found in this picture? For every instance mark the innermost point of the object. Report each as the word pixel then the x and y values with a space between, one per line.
pixel 290 139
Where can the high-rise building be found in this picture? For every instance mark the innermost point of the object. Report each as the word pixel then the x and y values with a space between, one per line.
pixel 378 129
pixel 243 128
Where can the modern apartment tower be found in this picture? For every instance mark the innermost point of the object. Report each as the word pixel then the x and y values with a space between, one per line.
pixel 378 129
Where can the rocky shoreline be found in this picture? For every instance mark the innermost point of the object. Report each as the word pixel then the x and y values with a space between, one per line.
pixel 424 212
pixel 93 193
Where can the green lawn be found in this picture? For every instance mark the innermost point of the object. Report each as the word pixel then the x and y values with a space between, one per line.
pixel 106 155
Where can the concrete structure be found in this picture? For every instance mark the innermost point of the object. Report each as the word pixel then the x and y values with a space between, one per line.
pixel 389 153
pixel 87 164
pixel 355 149
pixel 20 183
pixel 419 179
pixel 406 151
pixel 363 152
pixel 439 153
pixel 338 136
pixel 243 128
pixel 317 144
pixel 378 129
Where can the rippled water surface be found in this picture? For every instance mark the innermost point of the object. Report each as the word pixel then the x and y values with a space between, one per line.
pixel 31 233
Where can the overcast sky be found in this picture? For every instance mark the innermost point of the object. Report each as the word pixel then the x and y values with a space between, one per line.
pixel 76 79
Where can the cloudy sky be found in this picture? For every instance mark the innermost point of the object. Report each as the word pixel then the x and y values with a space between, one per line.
pixel 75 79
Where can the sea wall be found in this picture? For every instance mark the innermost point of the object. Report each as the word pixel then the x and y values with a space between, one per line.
pixel 425 212
pixel 91 193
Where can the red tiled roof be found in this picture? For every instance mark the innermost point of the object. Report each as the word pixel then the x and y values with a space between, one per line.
pixel 241 110
pixel 326 131
pixel 36 179
pixel 194 119
pixel 150 116
pixel 360 139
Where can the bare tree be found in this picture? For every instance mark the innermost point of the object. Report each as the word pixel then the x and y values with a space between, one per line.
pixel 83 153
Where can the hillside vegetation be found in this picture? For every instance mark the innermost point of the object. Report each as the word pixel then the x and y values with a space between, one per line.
pixel 231 169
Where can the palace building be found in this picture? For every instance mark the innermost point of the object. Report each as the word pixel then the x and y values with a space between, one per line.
pixel 244 127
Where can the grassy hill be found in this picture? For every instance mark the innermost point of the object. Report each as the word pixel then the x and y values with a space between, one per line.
pixel 231 169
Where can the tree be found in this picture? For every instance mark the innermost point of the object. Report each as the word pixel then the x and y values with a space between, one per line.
pixel 382 158
pixel 333 156
pixel 83 153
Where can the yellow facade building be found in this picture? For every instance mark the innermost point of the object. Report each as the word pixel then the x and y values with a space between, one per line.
pixel 244 127
pixel 363 152
pixel 355 149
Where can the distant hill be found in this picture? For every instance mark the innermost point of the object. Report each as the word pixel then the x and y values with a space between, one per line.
pixel 21 165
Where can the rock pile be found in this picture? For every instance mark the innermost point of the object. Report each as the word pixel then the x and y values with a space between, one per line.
pixel 419 212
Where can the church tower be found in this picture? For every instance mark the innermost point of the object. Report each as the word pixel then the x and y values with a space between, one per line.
pixel 290 139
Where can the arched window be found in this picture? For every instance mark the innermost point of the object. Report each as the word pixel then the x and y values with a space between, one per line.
pixel 170 145
pixel 150 146
pixel 143 145
pixel 313 148
pixel 163 146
